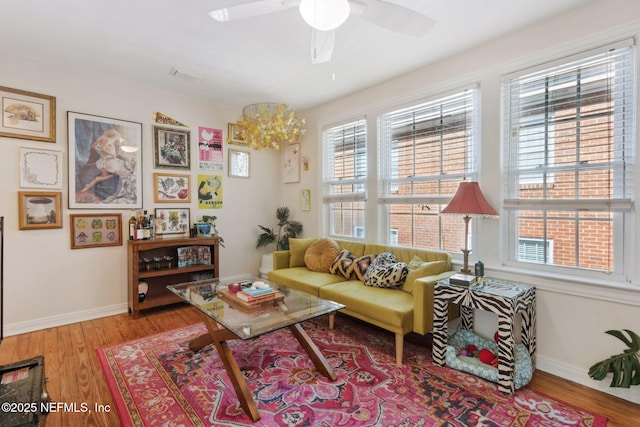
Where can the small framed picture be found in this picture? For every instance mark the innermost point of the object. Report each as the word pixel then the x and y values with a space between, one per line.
pixel 39 210
pixel 305 200
pixel 171 148
pixel 172 220
pixel 237 134
pixel 239 163
pixel 27 115
pixel 171 188
pixel 40 168
pixel 95 230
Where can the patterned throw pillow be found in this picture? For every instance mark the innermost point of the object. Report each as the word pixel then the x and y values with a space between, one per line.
pixel 360 266
pixel 386 272
pixel 342 263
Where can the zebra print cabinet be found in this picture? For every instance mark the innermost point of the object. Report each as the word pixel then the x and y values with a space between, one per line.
pixel 503 298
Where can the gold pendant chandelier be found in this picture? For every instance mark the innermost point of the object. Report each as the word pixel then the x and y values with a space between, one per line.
pixel 269 124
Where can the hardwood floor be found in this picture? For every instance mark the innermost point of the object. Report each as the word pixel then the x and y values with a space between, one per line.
pixel 74 373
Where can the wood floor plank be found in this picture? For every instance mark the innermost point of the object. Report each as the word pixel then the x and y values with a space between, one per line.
pixel 75 374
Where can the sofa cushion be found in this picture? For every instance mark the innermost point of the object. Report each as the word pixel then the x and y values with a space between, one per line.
pixel 360 266
pixel 321 254
pixel 303 279
pixel 342 263
pixel 420 268
pixel 385 272
pixel 297 248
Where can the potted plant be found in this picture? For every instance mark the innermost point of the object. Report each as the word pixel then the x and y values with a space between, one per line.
pixel 286 229
pixel 207 227
pixel 625 366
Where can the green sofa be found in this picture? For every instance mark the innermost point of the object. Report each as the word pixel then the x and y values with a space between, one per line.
pixel 400 311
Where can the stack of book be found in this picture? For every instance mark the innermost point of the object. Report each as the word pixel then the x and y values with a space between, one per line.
pixel 462 279
pixel 251 294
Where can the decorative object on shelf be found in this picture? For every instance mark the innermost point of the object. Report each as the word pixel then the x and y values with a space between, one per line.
pixel 172 221
pixel 239 163
pixel 469 202
pixel 28 115
pixel 171 188
pixel 96 230
pixel 625 366
pixel 268 125
pixel 105 162
pixel 286 229
pixel 40 168
pixel 171 148
pixel 39 210
pixel 207 227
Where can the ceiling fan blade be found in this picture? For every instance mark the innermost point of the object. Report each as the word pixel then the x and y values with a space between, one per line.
pixel 396 18
pixel 322 43
pixel 249 10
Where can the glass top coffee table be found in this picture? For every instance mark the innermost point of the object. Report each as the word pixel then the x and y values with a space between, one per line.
pixel 245 320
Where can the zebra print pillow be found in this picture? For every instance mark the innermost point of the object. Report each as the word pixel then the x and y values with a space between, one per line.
pixel 386 272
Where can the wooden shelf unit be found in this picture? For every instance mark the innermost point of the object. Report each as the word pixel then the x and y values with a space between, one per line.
pixel 159 279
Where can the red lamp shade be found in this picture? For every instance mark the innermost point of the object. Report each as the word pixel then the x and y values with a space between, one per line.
pixel 470 201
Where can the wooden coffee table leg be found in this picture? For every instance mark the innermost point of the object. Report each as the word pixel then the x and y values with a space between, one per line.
pixel 313 351
pixel 219 337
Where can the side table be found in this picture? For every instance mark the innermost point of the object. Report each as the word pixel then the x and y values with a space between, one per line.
pixel 506 299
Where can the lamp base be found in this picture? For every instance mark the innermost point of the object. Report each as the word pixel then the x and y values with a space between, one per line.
pixel 465 267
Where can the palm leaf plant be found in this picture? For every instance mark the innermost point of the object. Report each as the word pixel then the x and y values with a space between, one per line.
pixel 624 366
pixel 286 229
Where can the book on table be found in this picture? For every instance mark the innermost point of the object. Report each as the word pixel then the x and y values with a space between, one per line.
pixel 254 292
pixel 246 296
pixel 462 279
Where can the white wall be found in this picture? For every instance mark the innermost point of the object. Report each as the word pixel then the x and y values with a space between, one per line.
pixel 46 283
pixel 572 315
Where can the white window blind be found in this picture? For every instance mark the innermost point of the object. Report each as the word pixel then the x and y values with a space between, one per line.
pixel 569 157
pixel 344 176
pixel 426 150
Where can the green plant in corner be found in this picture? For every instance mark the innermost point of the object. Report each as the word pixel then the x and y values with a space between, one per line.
pixel 286 229
pixel 624 366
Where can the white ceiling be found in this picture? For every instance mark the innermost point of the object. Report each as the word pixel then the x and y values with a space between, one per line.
pixel 264 58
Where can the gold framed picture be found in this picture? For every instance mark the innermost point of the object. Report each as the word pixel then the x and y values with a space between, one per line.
pixel 95 230
pixel 237 134
pixel 171 188
pixel 39 210
pixel 27 115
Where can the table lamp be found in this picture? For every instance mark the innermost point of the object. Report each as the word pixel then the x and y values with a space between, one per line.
pixel 469 202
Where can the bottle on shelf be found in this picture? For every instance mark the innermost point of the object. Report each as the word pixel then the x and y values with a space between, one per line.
pixel 152 227
pixel 146 231
pixel 139 227
pixel 132 225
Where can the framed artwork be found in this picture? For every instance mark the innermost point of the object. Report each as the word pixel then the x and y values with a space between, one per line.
pixel 40 168
pixel 39 210
pixel 171 188
pixel 237 134
pixel 94 230
pixel 171 148
pixel 291 163
pixel 105 163
pixel 209 191
pixel 27 115
pixel 210 156
pixel 172 221
pixel 239 163
pixel 305 200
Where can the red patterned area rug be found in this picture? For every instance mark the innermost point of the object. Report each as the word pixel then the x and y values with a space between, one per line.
pixel 158 381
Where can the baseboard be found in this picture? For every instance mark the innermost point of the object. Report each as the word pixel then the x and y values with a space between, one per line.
pixel 63 319
pixel 579 376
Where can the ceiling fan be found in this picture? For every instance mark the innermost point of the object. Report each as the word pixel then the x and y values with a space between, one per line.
pixel 324 16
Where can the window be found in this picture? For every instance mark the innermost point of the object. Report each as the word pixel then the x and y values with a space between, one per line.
pixel 344 178
pixel 426 150
pixel 570 161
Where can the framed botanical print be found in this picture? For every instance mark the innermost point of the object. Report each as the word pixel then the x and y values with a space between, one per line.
pixel 27 115
pixel 95 230
pixel 171 188
pixel 39 210
pixel 171 148
pixel 105 162
pixel 172 221
pixel 291 163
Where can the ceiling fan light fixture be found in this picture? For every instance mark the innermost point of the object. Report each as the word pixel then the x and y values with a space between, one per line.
pixel 325 15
